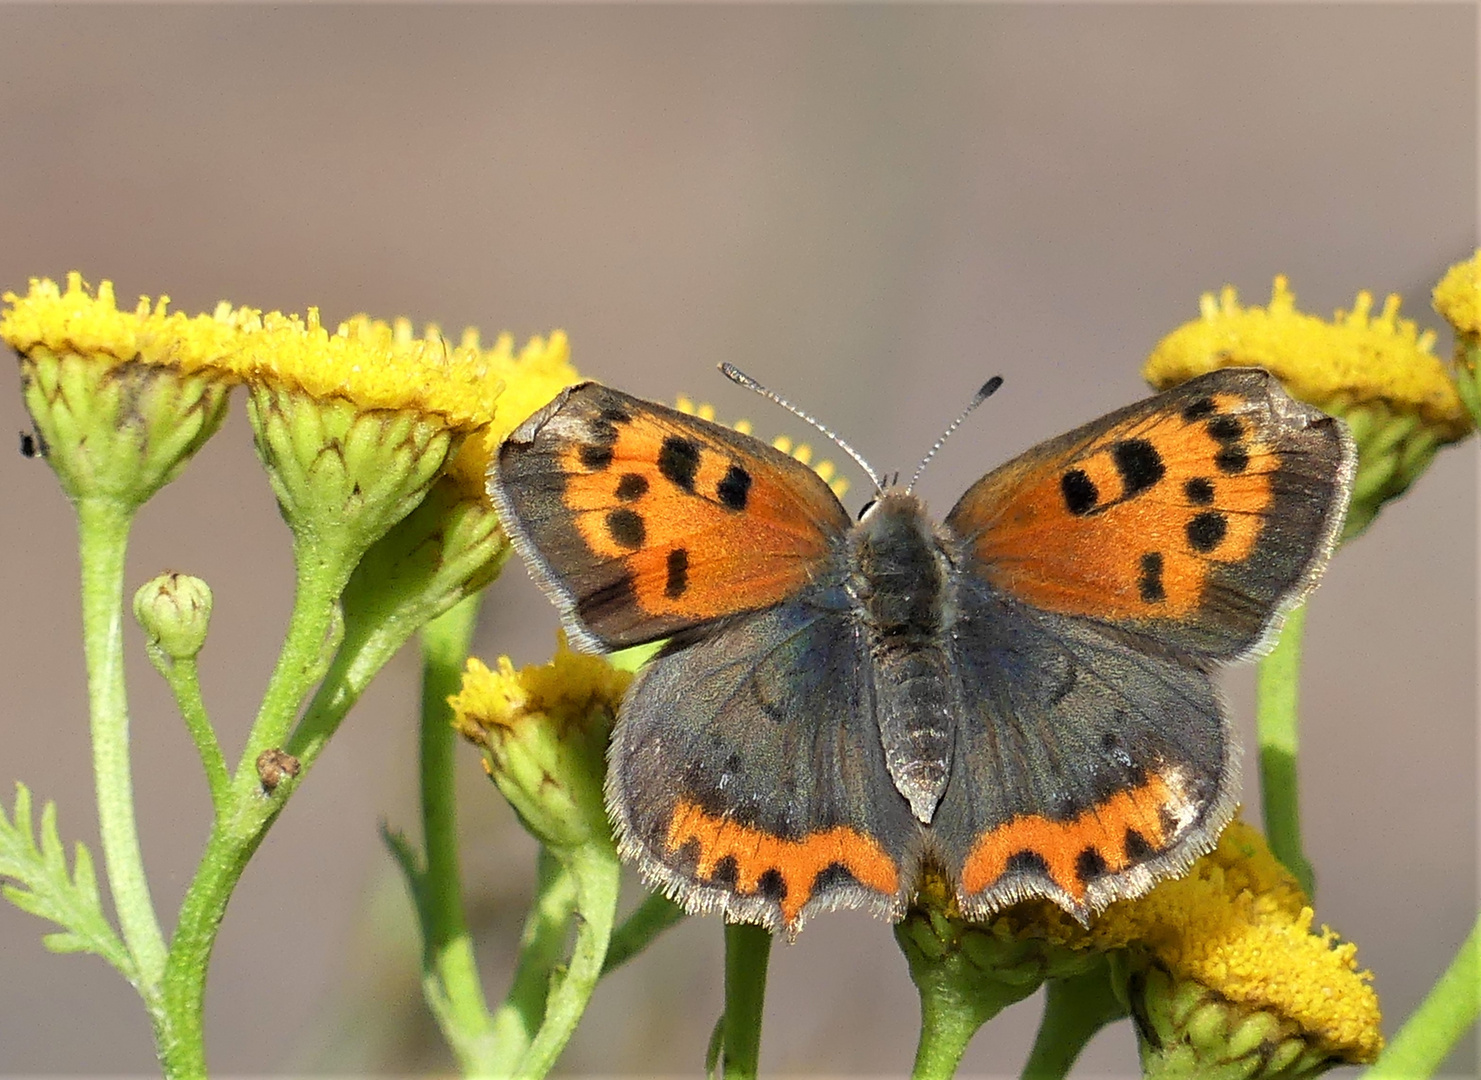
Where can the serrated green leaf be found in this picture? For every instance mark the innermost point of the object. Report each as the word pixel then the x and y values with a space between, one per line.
pixel 65 942
pixel 41 885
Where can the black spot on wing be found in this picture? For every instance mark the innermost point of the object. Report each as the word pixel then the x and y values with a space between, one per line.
pixel 1135 845
pixel 726 873
pixel 1079 491
pixel 1232 459
pixel 1149 583
pixel 772 885
pixel 678 461
pixel 632 486
pixel 1207 530
pixel 832 876
pixel 1226 429
pixel 626 527
pixel 678 574
pixel 1139 464
pixel 596 456
pixel 1199 490
pixel 1199 409
pixel 1089 864
pixel 734 489
pixel 1027 861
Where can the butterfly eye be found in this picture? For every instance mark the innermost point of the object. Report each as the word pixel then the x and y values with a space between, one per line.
pixel 866 508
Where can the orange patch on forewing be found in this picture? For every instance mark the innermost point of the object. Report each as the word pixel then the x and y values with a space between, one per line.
pixel 735 557
pixel 1101 828
pixel 797 862
pixel 1092 564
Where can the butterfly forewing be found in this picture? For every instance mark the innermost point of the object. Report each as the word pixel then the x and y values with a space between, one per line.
pixel 1194 517
pixel 643 521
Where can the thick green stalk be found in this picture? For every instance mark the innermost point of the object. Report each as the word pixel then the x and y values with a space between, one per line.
pixel 315 630
pixel 541 946
pixel 103 533
pixel 1277 700
pixel 1075 1009
pixel 596 873
pixel 1449 1010
pixel 448 946
pixel 747 952
pixel 247 814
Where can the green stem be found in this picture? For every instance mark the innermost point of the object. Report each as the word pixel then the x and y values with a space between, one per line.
pixel 315 630
pixel 747 952
pixel 183 677
pixel 103 533
pixel 1277 692
pixel 1076 1008
pixel 596 872
pixel 247 812
pixel 1448 1011
pixel 541 947
pixel 652 917
pixel 448 946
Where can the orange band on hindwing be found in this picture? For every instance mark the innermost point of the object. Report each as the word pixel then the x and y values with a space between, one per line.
pixel 795 864
pixel 1107 838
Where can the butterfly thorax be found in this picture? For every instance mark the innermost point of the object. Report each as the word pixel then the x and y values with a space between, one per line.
pixel 899 590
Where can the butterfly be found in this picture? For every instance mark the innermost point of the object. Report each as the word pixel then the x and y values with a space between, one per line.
pixel 1019 695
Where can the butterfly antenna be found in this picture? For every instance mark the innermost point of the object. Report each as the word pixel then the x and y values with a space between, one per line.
pixel 988 389
pixel 740 378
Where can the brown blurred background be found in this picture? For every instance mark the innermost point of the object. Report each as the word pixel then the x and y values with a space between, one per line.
pixel 870 209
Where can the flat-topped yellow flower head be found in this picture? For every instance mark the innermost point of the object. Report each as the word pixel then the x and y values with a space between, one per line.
pixel 544 730
pixel 122 399
pixel 1458 298
pixel 1205 960
pixel 1375 371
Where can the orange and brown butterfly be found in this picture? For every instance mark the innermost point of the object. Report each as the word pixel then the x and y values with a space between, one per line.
pixel 1019 694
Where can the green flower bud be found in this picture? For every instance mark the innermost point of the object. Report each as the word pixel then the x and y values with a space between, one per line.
pixel 175 612
pixel 1186 1030
pixel 544 731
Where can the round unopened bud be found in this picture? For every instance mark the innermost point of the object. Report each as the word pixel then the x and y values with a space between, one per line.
pixel 175 612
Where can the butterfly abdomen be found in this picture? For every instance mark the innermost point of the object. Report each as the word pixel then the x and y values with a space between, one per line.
pixel 899 587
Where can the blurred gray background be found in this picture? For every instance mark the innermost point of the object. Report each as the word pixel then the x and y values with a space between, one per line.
pixel 870 209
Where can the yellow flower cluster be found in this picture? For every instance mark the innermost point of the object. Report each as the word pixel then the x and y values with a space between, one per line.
pixel 1239 924
pixel 1356 358
pixel 1458 296
pixel 371 363
pixel 564 690
pixel 76 321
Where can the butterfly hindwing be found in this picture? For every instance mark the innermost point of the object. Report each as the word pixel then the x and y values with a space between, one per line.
pixel 1195 517
pixel 1085 767
pixel 642 521
pixel 746 773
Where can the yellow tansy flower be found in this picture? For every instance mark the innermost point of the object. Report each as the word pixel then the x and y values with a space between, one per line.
pixel 1376 372
pixel 1458 296
pixel 530 379
pixel 544 729
pixel 122 399
pixel 1235 933
pixel 77 321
